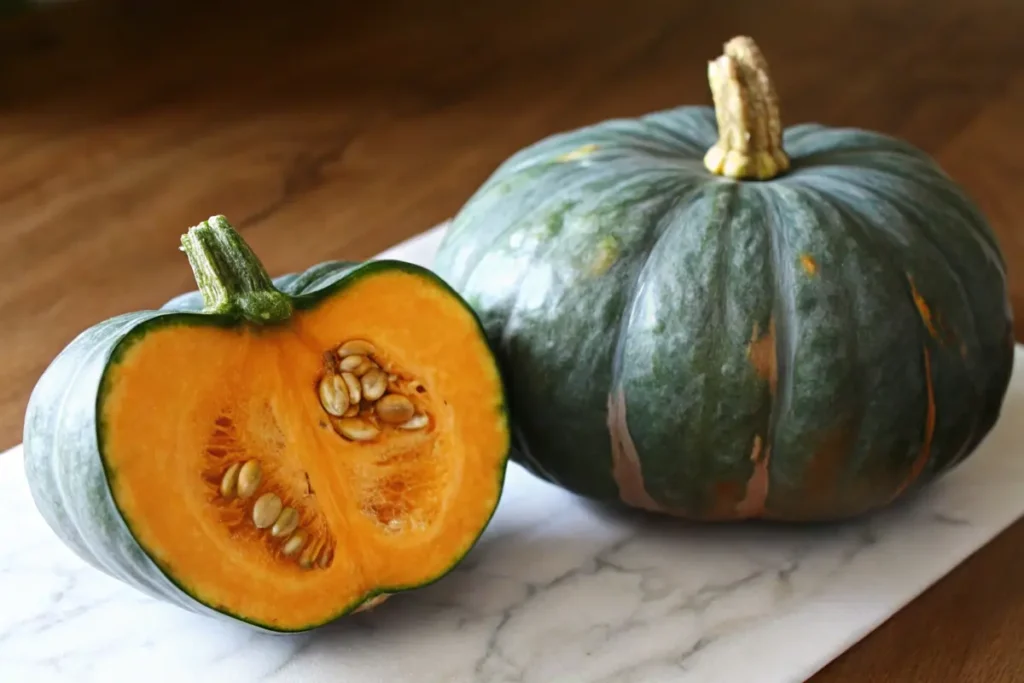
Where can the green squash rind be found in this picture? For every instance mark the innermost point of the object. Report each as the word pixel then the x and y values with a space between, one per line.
pixel 68 477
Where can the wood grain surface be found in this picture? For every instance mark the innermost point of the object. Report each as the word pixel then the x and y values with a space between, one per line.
pixel 328 129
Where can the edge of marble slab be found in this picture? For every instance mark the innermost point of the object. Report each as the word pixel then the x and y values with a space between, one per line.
pixel 826 621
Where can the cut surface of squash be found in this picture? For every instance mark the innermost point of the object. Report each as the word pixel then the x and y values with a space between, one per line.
pixel 234 474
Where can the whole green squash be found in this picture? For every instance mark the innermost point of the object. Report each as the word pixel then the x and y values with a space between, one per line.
pixel 702 314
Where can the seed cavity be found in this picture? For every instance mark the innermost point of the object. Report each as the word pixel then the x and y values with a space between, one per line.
pixel 356 429
pixel 249 477
pixel 257 503
pixel 229 483
pixel 266 510
pixel 394 409
pixel 364 394
pixel 286 522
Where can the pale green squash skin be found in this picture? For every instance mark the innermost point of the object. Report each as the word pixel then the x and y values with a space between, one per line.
pixel 63 436
pixel 627 267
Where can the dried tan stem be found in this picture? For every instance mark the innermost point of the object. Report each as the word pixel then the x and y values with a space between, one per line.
pixel 749 142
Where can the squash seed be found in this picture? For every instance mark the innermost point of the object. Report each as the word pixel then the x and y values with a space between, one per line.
pixel 286 523
pixel 365 367
pixel 350 363
pixel 229 483
pixel 352 411
pixel 325 557
pixel 334 394
pixel 415 422
pixel 395 409
pixel 266 510
pixel 374 384
pixel 354 393
pixel 249 477
pixel 357 365
pixel 371 603
pixel 354 347
pixel 356 429
pixel 293 544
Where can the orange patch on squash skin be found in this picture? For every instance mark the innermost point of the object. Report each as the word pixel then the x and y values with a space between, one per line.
pixel 753 503
pixel 929 429
pixel 731 501
pixel 626 469
pixel 809 264
pixel 761 352
pixel 923 309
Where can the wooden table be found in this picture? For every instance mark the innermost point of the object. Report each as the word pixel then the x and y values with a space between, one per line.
pixel 328 130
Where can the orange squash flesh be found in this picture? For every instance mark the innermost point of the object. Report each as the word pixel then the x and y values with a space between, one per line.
pixel 186 401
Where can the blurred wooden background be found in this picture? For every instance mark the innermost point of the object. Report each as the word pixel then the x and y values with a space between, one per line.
pixel 328 129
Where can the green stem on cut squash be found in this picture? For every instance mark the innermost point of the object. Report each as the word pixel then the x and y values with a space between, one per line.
pixel 749 142
pixel 230 276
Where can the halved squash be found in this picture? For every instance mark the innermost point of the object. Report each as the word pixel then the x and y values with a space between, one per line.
pixel 281 452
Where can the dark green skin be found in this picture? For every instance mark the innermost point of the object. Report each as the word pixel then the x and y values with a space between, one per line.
pixel 63 440
pixel 633 269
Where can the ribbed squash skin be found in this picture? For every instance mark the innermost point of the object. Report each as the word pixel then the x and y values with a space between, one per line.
pixel 63 440
pixel 807 347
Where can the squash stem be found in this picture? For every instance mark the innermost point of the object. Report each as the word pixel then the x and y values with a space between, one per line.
pixel 230 277
pixel 749 142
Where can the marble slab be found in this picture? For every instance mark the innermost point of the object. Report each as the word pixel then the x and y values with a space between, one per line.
pixel 557 591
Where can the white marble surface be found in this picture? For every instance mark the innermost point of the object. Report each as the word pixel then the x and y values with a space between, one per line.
pixel 556 592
